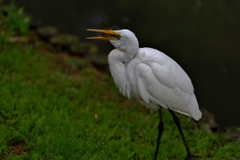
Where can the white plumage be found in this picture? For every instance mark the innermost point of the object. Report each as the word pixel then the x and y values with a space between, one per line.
pixel 151 77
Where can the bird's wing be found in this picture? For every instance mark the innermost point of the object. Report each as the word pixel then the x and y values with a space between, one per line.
pixel 166 70
pixel 161 81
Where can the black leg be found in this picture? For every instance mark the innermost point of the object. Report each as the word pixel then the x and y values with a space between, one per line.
pixel 160 130
pixel 177 122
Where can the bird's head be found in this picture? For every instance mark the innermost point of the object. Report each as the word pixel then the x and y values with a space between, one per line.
pixel 124 40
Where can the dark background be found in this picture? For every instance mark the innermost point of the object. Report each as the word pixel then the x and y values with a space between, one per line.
pixel 201 35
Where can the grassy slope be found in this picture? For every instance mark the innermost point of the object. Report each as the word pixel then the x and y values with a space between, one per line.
pixel 51 107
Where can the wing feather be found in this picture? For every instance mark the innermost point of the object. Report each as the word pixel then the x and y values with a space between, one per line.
pixel 161 81
pixel 167 71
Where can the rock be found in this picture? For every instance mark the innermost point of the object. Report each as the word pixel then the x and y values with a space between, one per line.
pixel 233 133
pixel 64 39
pixel 46 32
pixel 82 48
pixel 100 61
pixel 19 39
pixel 209 122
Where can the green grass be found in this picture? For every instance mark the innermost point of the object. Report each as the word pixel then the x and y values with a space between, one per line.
pixel 53 106
pixel 12 22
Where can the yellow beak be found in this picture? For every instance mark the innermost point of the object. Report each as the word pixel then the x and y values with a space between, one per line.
pixel 112 34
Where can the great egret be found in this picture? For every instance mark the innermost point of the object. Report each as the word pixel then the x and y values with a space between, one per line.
pixel 151 77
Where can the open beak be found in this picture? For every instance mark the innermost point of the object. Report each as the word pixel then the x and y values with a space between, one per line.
pixel 107 35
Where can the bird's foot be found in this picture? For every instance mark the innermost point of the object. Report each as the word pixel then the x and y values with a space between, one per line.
pixel 190 157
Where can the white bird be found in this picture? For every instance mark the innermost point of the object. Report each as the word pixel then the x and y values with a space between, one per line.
pixel 151 77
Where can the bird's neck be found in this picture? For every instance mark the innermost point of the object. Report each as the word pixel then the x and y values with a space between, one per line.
pixel 130 53
pixel 118 60
pixel 122 56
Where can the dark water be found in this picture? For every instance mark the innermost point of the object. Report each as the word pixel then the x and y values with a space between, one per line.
pixel 201 35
